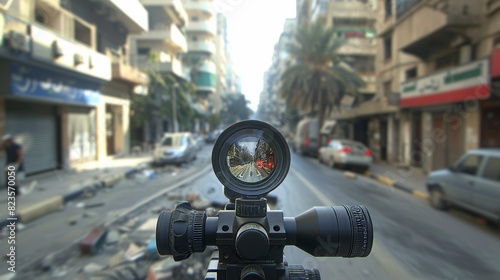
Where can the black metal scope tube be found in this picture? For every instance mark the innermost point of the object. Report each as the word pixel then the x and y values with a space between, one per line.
pixel 334 231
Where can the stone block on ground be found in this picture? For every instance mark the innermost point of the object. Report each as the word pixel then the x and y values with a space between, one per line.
pixel 93 242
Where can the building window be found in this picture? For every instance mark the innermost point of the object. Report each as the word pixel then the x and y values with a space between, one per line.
pixel 411 73
pixel 143 51
pixel 387 48
pixel 388 9
pixel 387 88
pixel 496 43
pixel 194 18
pixel 194 38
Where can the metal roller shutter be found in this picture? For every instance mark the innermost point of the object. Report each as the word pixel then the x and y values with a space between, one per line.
pixel 36 130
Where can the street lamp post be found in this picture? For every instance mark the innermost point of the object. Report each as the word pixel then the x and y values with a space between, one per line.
pixel 174 108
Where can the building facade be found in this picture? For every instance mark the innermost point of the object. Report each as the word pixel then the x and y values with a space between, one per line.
pixel 201 32
pixel 56 71
pixel 445 74
pixel 165 41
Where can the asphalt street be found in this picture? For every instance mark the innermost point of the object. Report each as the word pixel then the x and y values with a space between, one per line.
pixel 412 240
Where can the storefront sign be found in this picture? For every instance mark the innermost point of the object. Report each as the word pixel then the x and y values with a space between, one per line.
pixel 451 85
pixel 31 82
pixel 495 63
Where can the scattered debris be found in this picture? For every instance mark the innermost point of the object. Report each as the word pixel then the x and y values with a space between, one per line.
pixel 200 204
pixel 20 227
pixel 92 268
pixel 93 205
pixel 93 242
pixel 124 229
pixel 350 175
pixel 116 259
pixel 73 220
pixel 134 252
pixel 150 225
pixel 112 237
pixel 89 214
pixel 151 251
pixel 80 205
pixel 150 174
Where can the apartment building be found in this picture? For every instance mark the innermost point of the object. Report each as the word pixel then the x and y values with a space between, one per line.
pixel 441 56
pixel 165 38
pixel 220 59
pixel 271 106
pixel 61 71
pixel 355 24
pixel 201 31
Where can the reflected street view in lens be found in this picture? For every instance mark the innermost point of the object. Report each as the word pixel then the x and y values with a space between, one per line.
pixel 251 159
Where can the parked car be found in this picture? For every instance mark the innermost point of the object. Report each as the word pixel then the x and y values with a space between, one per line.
pixel 199 142
pixel 346 153
pixel 306 141
pixel 212 136
pixel 472 183
pixel 175 148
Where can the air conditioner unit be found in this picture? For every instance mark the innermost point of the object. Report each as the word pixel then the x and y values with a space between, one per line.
pixel 57 49
pixel 19 41
pixel 78 58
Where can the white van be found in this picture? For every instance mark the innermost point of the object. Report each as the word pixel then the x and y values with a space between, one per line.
pixel 306 140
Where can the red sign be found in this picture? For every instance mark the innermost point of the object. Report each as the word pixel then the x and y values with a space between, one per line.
pixel 495 63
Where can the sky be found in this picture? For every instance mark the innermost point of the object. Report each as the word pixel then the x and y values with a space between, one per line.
pixel 253 28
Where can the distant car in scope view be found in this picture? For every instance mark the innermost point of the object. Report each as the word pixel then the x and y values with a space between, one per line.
pixel 472 183
pixel 346 153
pixel 306 141
pixel 175 148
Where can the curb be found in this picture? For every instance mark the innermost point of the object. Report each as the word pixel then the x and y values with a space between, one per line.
pixel 397 185
pixel 55 203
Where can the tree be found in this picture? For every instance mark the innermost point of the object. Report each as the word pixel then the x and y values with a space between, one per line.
pixel 235 108
pixel 162 87
pixel 319 78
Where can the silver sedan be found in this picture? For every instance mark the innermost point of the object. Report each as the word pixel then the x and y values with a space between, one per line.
pixel 346 153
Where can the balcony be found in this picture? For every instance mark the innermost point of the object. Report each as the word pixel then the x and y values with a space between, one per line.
pixel 173 9
pixel 170 36
pixel 358 46
pixel 450 85
pixel 48 46
pixel 206 7
pixel 319 10
pixel 451 21
pixel 371 84
pixel 123 71
pixel 353 10
pixel 205 47
pixel 173 66
pixel 202 26
pixel 205 78
pixel 131 13
pixel 373 107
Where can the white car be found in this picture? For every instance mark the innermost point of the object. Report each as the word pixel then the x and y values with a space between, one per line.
pixel 346 153
pixel 175 148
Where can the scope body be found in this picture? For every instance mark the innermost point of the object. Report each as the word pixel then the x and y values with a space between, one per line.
pixel 251 239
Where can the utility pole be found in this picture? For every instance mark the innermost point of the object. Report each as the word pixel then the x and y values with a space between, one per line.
pixel 174 107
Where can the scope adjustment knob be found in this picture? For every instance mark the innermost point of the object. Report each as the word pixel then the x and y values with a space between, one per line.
pixel 252 242
pixel 252 272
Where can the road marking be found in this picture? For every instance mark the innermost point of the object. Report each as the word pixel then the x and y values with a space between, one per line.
pixel 379 253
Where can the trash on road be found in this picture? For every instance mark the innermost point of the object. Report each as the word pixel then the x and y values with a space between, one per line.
pixel 151 251
pixel 112 237
pixel 134 252
pixel 93 242
pixel 350 175
pixel 92 268
pixel 93 205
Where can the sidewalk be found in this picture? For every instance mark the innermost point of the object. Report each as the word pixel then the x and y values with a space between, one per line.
pixel 53 189
pixel 407 178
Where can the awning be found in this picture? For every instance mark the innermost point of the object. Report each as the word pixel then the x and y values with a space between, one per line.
pixel 328 126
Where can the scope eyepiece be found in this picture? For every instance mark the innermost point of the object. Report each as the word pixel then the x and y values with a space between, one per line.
pixel 250 158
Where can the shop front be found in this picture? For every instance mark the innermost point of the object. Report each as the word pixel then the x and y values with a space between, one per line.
pixel 51 114
pixel 490 109
pixel 444 113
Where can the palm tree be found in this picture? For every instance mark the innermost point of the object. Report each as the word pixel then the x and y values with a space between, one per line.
pixel 318 79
